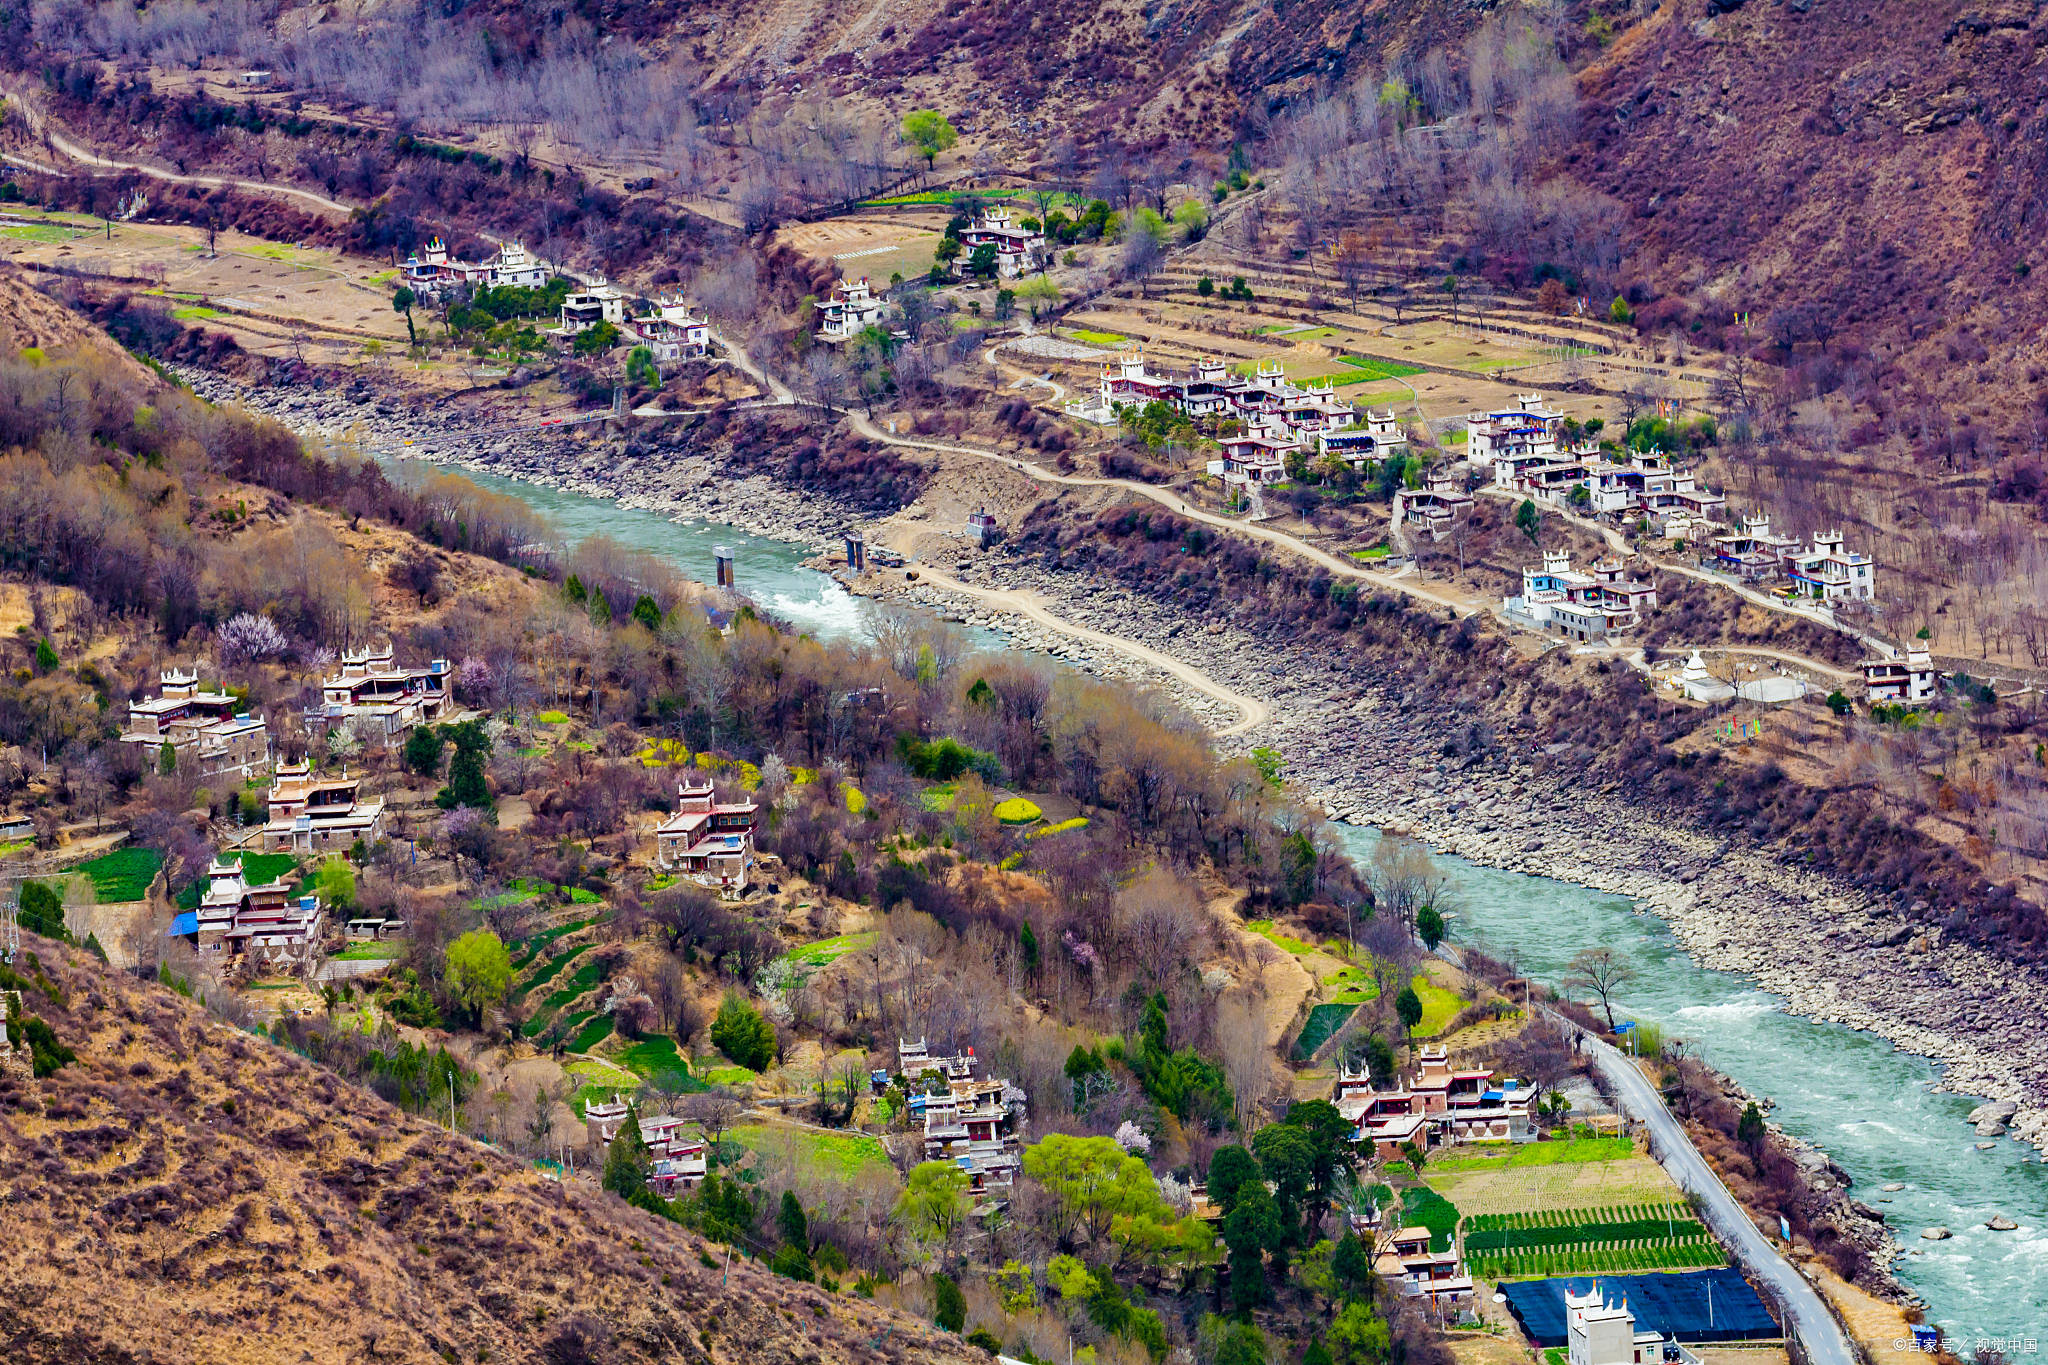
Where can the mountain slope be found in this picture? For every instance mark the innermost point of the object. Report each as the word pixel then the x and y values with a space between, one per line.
pixel 1881 165
pixel 185 1192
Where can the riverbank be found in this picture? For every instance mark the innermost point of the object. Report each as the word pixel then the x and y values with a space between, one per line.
pixel 1371 753
pixel 1832 952
pixel 589 460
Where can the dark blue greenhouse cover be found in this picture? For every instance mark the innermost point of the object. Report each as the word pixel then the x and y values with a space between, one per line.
pixel 1678 1305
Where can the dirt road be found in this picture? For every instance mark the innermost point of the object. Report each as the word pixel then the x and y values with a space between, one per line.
pixel 1173 502
pixel 63 145
pixel 1254 712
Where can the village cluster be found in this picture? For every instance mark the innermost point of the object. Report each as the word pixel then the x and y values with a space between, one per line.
pixel 664 325
pixel 259 927
pixel 1530 451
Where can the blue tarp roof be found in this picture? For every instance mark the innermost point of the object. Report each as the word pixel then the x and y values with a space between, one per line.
pixel 1672 1305
pixel 187 923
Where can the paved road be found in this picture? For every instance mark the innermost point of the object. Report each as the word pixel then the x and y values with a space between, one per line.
pixel 1808 1317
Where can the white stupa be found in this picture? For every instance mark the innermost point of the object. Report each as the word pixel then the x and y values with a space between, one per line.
pixel 1700 685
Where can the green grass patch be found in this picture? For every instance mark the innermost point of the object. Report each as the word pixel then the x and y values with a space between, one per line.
pixel 1422 1207
pixel 941 198
pixel 1323 1023
pixel 730 1075
pixel 261 869
pixel 828 950
pixel 123 875
pixel 1376 368
pixel 939 797
pixel 1572 1152
pixel 581 980
pixel 19 846
pixel 651 1057
pixel 1018 811
pixel 1264 929
pixel 844 1155
pixel 1376 552
pixel 590 1031
pixel 194 313
pixel 1439 1006
pixel 590 1071
pixel 1078 822
pixel 370 952
pixel 537 943
pixel 38 232
pixel 552 718
pixel 1087 337
pixel 577 894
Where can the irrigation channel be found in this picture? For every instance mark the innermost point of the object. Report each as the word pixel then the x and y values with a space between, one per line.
pixel 1872 1108
pixel 1869 1106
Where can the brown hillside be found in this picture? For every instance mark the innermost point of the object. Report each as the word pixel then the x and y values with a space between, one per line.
pixel 186 1192
pixel 1881 163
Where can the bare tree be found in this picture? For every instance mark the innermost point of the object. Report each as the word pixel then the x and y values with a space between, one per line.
pixel 1602 974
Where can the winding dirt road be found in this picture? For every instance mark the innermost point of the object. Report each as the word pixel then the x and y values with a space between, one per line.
pixel 1174 503
pixel 59 143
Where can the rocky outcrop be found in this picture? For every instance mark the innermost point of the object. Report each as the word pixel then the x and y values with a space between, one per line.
pixel 1993 1119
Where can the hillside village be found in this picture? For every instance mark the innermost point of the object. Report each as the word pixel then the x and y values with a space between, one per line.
pixel 935 984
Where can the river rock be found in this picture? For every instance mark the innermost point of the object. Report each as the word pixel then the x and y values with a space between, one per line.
pixel 1992 1119
pixel 1935 1234
pixel 1998 1222
pixel 1894 1187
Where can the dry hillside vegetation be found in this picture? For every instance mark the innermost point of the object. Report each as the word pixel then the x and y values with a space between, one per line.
pixel 266 1210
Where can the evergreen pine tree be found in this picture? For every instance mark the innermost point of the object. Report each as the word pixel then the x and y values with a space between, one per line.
pixel 626 1162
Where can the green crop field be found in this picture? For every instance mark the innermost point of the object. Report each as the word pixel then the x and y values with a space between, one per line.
pixel 537 943
pixel 38 232
pixel 1323 1023
pixel 1589 1241
pixel 261 869
pixel 651 1057
pixel 1096 338
pixel 826 951
pixel 584 977
pixel 1425 1208
pixel 590 1031
pixel 545 974
pixel 1439 1007
pixel 370 952
pixel 1571 1152
pixel 1375 368
pixel 124 874
pixel 1286 943
pixel 844 1155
